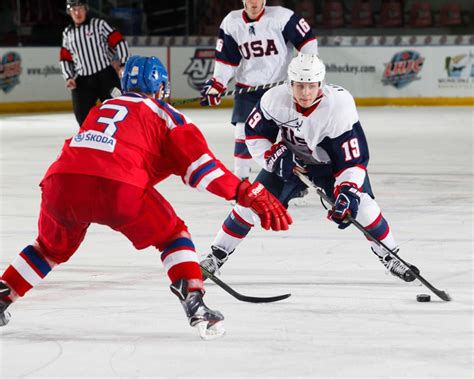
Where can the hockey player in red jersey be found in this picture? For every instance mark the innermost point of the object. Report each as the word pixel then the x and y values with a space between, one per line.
pixel 105 174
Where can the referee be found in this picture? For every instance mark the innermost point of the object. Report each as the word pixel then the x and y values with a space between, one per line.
pixel 89 44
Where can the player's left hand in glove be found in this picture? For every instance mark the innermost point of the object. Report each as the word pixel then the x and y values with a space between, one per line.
pixel 281 161
pixel 211 93
pixel 346 204
pixel 273 215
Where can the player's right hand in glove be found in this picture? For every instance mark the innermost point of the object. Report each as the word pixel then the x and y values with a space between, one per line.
pixel 346 204
pixel 281 161
pixel 211 93
pixel 273 215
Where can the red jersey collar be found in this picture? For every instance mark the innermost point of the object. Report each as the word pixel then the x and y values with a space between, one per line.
pixel 307 111
pixel 247 20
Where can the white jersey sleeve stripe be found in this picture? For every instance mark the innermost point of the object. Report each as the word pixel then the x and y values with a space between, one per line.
pixel 195 165
pixel 208 179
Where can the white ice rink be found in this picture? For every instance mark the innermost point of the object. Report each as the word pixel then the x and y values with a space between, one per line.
pixel 108 312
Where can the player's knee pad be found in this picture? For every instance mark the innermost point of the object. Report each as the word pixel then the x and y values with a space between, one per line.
pixel 242 156
pixel 180 230
pixel 247 215
pixel 56 252
pixel 239 131
pixel 242 167
pixel 369 210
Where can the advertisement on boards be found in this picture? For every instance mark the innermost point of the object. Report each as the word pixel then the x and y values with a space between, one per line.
pixel 34 75
pixel 458 71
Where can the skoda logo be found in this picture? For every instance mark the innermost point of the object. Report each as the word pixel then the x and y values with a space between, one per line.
pixel 79 137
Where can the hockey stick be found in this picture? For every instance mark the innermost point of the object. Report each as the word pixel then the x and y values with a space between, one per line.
pixel 231 92
pixel 441 294
pixel 239 296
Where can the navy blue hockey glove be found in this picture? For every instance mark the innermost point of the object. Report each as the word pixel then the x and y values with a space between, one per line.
pixel 281 161
pixel 346 204
pixel 211 93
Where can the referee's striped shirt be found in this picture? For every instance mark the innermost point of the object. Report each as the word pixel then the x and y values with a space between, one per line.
pixel 90 47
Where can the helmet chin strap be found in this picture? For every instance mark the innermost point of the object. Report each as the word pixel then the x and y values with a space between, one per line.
pixel 161 94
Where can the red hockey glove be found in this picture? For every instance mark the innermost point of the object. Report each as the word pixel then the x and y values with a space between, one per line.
pixel 211 93
pixel 273 215
pixel 346 204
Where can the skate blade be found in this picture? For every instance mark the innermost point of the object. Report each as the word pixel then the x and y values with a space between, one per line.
pixel 207 332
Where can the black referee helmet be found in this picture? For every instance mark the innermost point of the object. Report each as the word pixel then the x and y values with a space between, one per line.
pixel 75 3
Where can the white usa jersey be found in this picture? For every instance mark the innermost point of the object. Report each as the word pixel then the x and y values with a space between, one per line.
pixel 329 132
pixel 258 51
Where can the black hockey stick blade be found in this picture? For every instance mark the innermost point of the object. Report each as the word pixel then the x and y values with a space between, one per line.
pixel 441 294
pixel 239 296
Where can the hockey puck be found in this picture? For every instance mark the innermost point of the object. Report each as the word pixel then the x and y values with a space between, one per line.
pixel 422 298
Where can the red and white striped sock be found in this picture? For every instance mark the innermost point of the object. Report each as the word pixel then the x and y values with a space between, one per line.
pixel 26 271
pixel 181 262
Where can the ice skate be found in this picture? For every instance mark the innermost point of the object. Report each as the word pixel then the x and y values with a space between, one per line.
pixel 301 198
pixel 214 261
pixel 207 321
pixel 397 268
pixel 4 304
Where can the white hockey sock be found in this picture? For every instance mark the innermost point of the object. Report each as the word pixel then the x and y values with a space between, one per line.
pixel 235 228
pixel 371 218
pixel 242 167
pixel 242 157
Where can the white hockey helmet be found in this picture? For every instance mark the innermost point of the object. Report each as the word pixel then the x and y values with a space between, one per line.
pixel 306 68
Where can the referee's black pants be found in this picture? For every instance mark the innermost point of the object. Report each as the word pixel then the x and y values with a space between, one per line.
pixel 90 88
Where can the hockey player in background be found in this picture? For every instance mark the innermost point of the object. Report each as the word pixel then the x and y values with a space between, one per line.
pixel 254 46
pixel 105 174
pixel 320 136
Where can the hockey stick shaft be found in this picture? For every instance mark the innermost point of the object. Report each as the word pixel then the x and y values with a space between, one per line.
pixel 236 91
pixel 239 296
pixel 441 294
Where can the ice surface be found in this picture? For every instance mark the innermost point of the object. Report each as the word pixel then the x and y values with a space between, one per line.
pixel 108 312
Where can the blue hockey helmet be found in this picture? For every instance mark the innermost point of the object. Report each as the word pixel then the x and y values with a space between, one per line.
pixel 145 75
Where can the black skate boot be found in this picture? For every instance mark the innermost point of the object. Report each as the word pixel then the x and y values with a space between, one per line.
pixel 301 193
pixel 214 261
pixel 397 268
pixel 207 321
pixel 4 304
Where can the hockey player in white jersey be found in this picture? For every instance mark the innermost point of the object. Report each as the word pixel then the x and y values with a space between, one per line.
pixel 313 128
pixel 254 46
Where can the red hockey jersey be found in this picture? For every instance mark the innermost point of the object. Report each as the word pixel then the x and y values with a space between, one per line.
pixel 141 141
